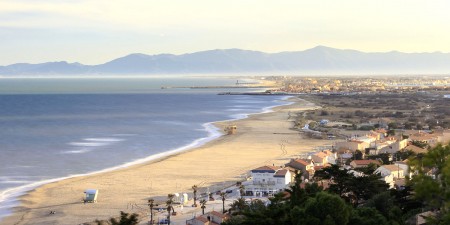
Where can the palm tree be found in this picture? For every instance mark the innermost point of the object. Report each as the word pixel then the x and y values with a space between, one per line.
pixel 223 195
pixel 151 205
pixel 194 188
pixel 241 190
pixel 203 205
pixel 169 204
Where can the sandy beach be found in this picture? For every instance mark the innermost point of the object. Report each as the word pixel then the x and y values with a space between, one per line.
pixel 220 162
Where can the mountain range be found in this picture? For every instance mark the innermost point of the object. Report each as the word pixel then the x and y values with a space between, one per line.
pixel 320 60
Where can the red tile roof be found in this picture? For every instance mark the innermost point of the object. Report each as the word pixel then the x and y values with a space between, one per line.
pixel 366 162
pixel 280 173
pixel 265 168
pixel 215 213
pixel 296 163
pixel 201 218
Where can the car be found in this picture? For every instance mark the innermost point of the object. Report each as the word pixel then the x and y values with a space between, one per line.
pixel 163 221
pixel 229 191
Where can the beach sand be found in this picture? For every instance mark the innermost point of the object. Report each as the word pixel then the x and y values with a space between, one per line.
pixel 220 162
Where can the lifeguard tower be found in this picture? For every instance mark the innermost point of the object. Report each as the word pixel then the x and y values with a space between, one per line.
pixel 91 195
pixel 231 129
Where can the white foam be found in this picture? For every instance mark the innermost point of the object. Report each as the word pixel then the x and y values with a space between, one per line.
pixel 88 144
pixel 80 151
pixel 103 139
pixel 9 196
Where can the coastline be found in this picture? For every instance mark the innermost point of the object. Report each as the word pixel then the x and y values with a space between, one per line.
pixel 10 197
pixel 200 165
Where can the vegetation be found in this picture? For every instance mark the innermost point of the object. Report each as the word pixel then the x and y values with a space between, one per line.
pixel 151 204
pixel 203 205
pixel 223 196
pixel 169 204
pixel 195 188
pixel 125 219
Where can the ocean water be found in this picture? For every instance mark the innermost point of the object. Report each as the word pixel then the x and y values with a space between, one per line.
pixel 51 129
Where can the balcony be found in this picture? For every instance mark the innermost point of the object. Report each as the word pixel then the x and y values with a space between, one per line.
pixel 263 183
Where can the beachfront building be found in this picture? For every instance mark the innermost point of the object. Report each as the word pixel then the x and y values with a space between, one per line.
pixel 267 180
pixel 210 218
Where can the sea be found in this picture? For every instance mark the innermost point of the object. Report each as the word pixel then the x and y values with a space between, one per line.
pixel 56 128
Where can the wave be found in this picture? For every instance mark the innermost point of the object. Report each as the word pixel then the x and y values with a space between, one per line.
pixel 80 151
pixel 103 139
pixel 9 197
pixel 88 144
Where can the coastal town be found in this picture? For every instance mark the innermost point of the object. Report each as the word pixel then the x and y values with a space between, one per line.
pixel 378 144
pixel 222 112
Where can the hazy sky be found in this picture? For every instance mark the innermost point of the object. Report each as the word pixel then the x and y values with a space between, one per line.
pixel 96 31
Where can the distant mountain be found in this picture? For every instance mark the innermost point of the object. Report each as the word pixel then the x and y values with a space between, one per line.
pixel 316 60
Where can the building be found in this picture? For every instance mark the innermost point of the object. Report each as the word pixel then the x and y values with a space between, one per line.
pixel 306 166
pixel 352 145
pixel 390 173
pixel 267 180
pixel 210 218
pixel 415 149
pixel 364 163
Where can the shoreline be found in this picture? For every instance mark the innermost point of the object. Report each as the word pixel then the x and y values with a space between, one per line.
pixel 9 197
pixel 35 203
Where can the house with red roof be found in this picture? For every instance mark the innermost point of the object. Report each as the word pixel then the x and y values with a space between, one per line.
pixel 210 218
pixel 306 166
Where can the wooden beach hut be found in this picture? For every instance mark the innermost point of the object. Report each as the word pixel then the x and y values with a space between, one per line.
pixel 91 195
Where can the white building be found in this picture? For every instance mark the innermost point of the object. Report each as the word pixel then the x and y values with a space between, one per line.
pixel 267 180
pixel 390 173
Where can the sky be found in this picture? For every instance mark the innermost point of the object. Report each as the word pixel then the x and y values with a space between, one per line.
pixel 97 31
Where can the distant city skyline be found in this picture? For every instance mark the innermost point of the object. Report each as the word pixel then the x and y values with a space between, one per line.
pixel 94 32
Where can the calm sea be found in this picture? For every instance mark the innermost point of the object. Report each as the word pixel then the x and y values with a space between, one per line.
pixel 56 128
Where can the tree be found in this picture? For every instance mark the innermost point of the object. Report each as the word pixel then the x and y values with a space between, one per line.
pixel 125 219
pixel 169 204
pixel 223 196
pixel 349 187
pixel 358 155
pixel 364 187
pixel 203 205
pixel 323 209
pixel 431 183
pixel 151 204
pixel 298 196
pixel 367 216
pixel 194 188
pixel 242 190
pixel 339 178
pixel 369 169
pixel 238 206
